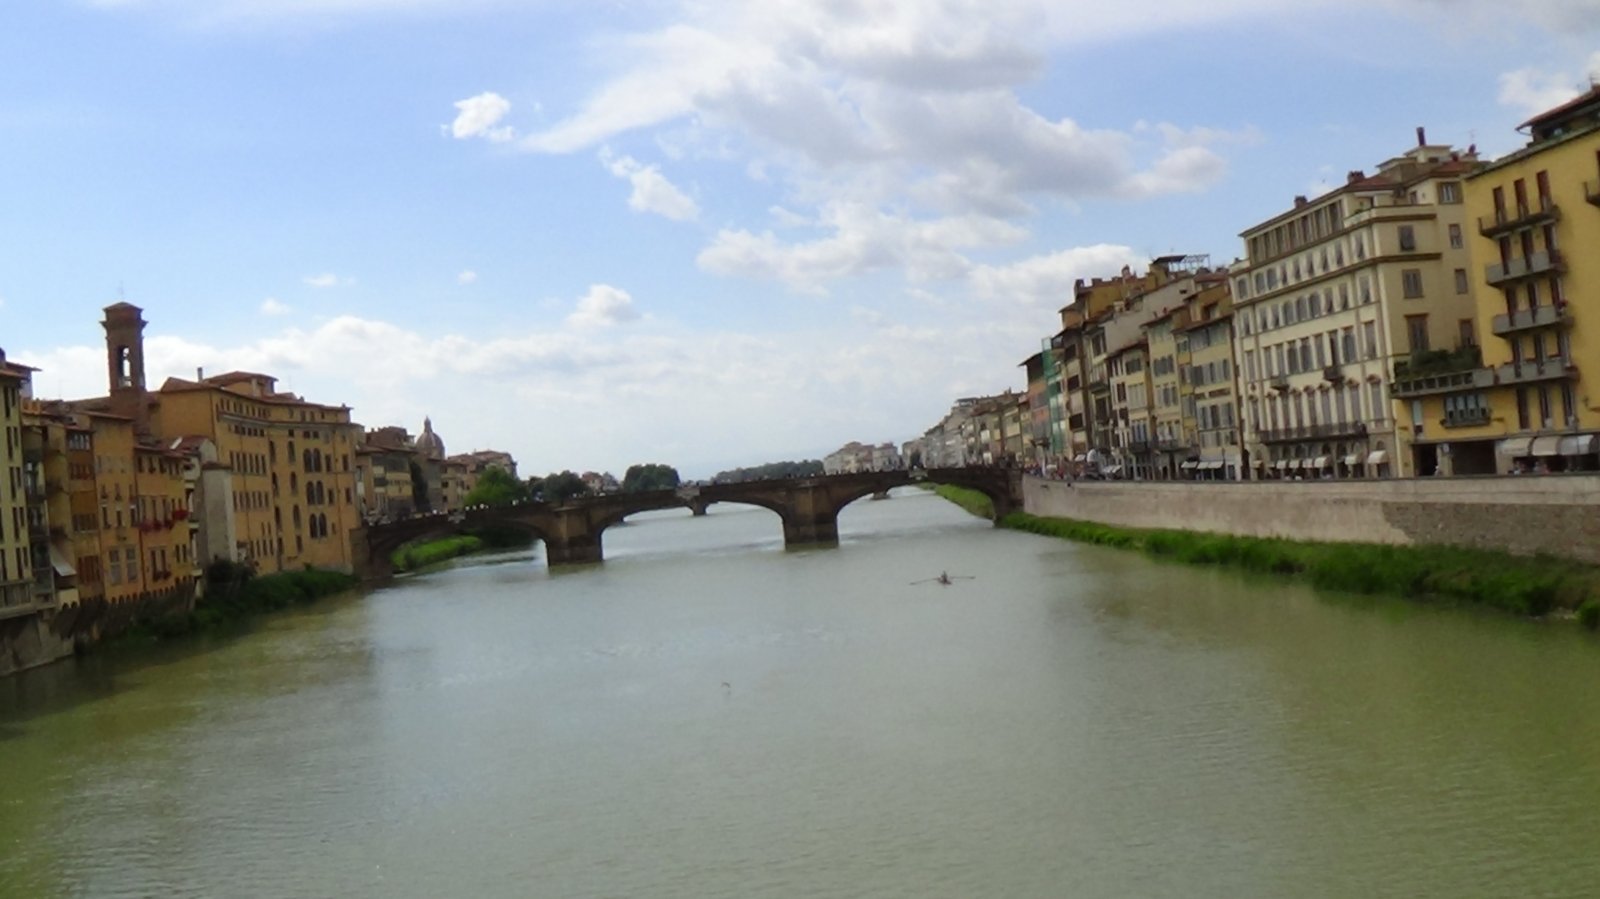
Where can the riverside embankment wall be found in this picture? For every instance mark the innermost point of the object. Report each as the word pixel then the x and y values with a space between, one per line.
pixel 1554 514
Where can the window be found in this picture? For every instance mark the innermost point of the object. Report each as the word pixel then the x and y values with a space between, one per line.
pixel 1462 285
pixel 1467 335
pixel 1417 332
pixel 1455 237
pixel 1408 238
pixel 1369 334
pixel 1411 283
pixel 1449 191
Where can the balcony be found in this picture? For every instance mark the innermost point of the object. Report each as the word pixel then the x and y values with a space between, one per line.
pixel 1525 319
pixel 1440 371
pixel 1331 431
pixel 1534 371
pixel 1504 221
pixel 1278 382
pixel 1465 418
pixel 1540 263
pixel 1333 374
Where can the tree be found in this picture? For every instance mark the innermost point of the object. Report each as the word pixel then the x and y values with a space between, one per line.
pixel 496 487
pixel 805 469
pixel 650 476
pixel 558 487
pixel 419 488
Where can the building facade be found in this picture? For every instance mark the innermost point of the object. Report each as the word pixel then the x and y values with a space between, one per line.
pixel 1520 404
pixel 1336 294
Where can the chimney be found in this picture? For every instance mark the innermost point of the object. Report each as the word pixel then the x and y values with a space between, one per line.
pixel 199 373
pixel 1422 136
pixel 1354 176
pixel 1299 201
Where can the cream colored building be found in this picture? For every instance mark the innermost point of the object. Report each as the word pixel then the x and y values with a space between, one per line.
pixel 1334 294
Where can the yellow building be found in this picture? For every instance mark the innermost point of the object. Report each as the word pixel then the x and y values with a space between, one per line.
pixel 1522 405
pixel 16 561
pixel 47 435
pixel 1335 294
pixel 1210 397
pixel 1173 444
pixel 290 462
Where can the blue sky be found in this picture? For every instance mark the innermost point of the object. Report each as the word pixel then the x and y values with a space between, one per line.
pixel 704 233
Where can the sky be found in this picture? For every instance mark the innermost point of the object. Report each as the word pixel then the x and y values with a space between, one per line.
pixel 706 233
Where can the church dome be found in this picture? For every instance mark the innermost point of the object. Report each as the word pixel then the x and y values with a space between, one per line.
pixel 428 443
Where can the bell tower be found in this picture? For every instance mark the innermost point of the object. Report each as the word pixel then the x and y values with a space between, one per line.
pixel 124 324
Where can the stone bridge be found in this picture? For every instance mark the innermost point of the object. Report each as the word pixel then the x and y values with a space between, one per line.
pixel 808 507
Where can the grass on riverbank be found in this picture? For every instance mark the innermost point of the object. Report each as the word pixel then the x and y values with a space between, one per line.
pixel 433 552
pixel 421 555
pixel 971 500
pixel 233 595
pixel 1533 587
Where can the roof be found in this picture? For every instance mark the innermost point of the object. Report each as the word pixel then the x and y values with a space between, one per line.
pixel 234 377
pixel 1592 95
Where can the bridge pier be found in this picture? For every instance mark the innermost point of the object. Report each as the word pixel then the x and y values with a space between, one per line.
pixel 814 531
pixel 813 518
pixel 698 507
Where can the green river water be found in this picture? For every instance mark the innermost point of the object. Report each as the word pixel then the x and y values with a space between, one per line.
pixel 708 715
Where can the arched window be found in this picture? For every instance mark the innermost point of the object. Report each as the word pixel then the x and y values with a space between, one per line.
pixel 311 494
pixel 305 459
pixel 295 517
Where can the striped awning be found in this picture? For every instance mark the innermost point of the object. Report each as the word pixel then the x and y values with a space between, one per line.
pixel 1515 447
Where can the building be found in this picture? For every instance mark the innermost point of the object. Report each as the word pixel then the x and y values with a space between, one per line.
pixel 1210 390
pixel 390 476
pixel 1335 294
pixel 1519 403
pixel 18 497
pixel 290 461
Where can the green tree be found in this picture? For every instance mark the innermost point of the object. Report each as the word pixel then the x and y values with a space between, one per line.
pixel 650 476
pixel 496 487
pixel 558 487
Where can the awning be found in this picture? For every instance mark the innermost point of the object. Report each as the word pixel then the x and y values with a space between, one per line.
pixel 1515 447
pixel 1577 444
pixel 1548 445
pixel 1111 469
pixel 1211 466
pixel 1189 466
pixel 1376 457
pixel 1319 462
pixel 1282 463
pixel 60 564
pixel 1296 463
pixel 1353 459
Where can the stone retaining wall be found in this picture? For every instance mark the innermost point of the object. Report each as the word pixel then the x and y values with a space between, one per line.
pixel 1554 514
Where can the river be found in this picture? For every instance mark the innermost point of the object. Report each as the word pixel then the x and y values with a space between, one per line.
pixel 708 715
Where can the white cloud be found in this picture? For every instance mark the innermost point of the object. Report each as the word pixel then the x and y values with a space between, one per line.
pixel 479 116
pixel 1047 280
pixel 271 306
pixel 652 192
pixel 862 240
pixel 603 306
pixel 1533 90
pixel 325 280
pixel 467 277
